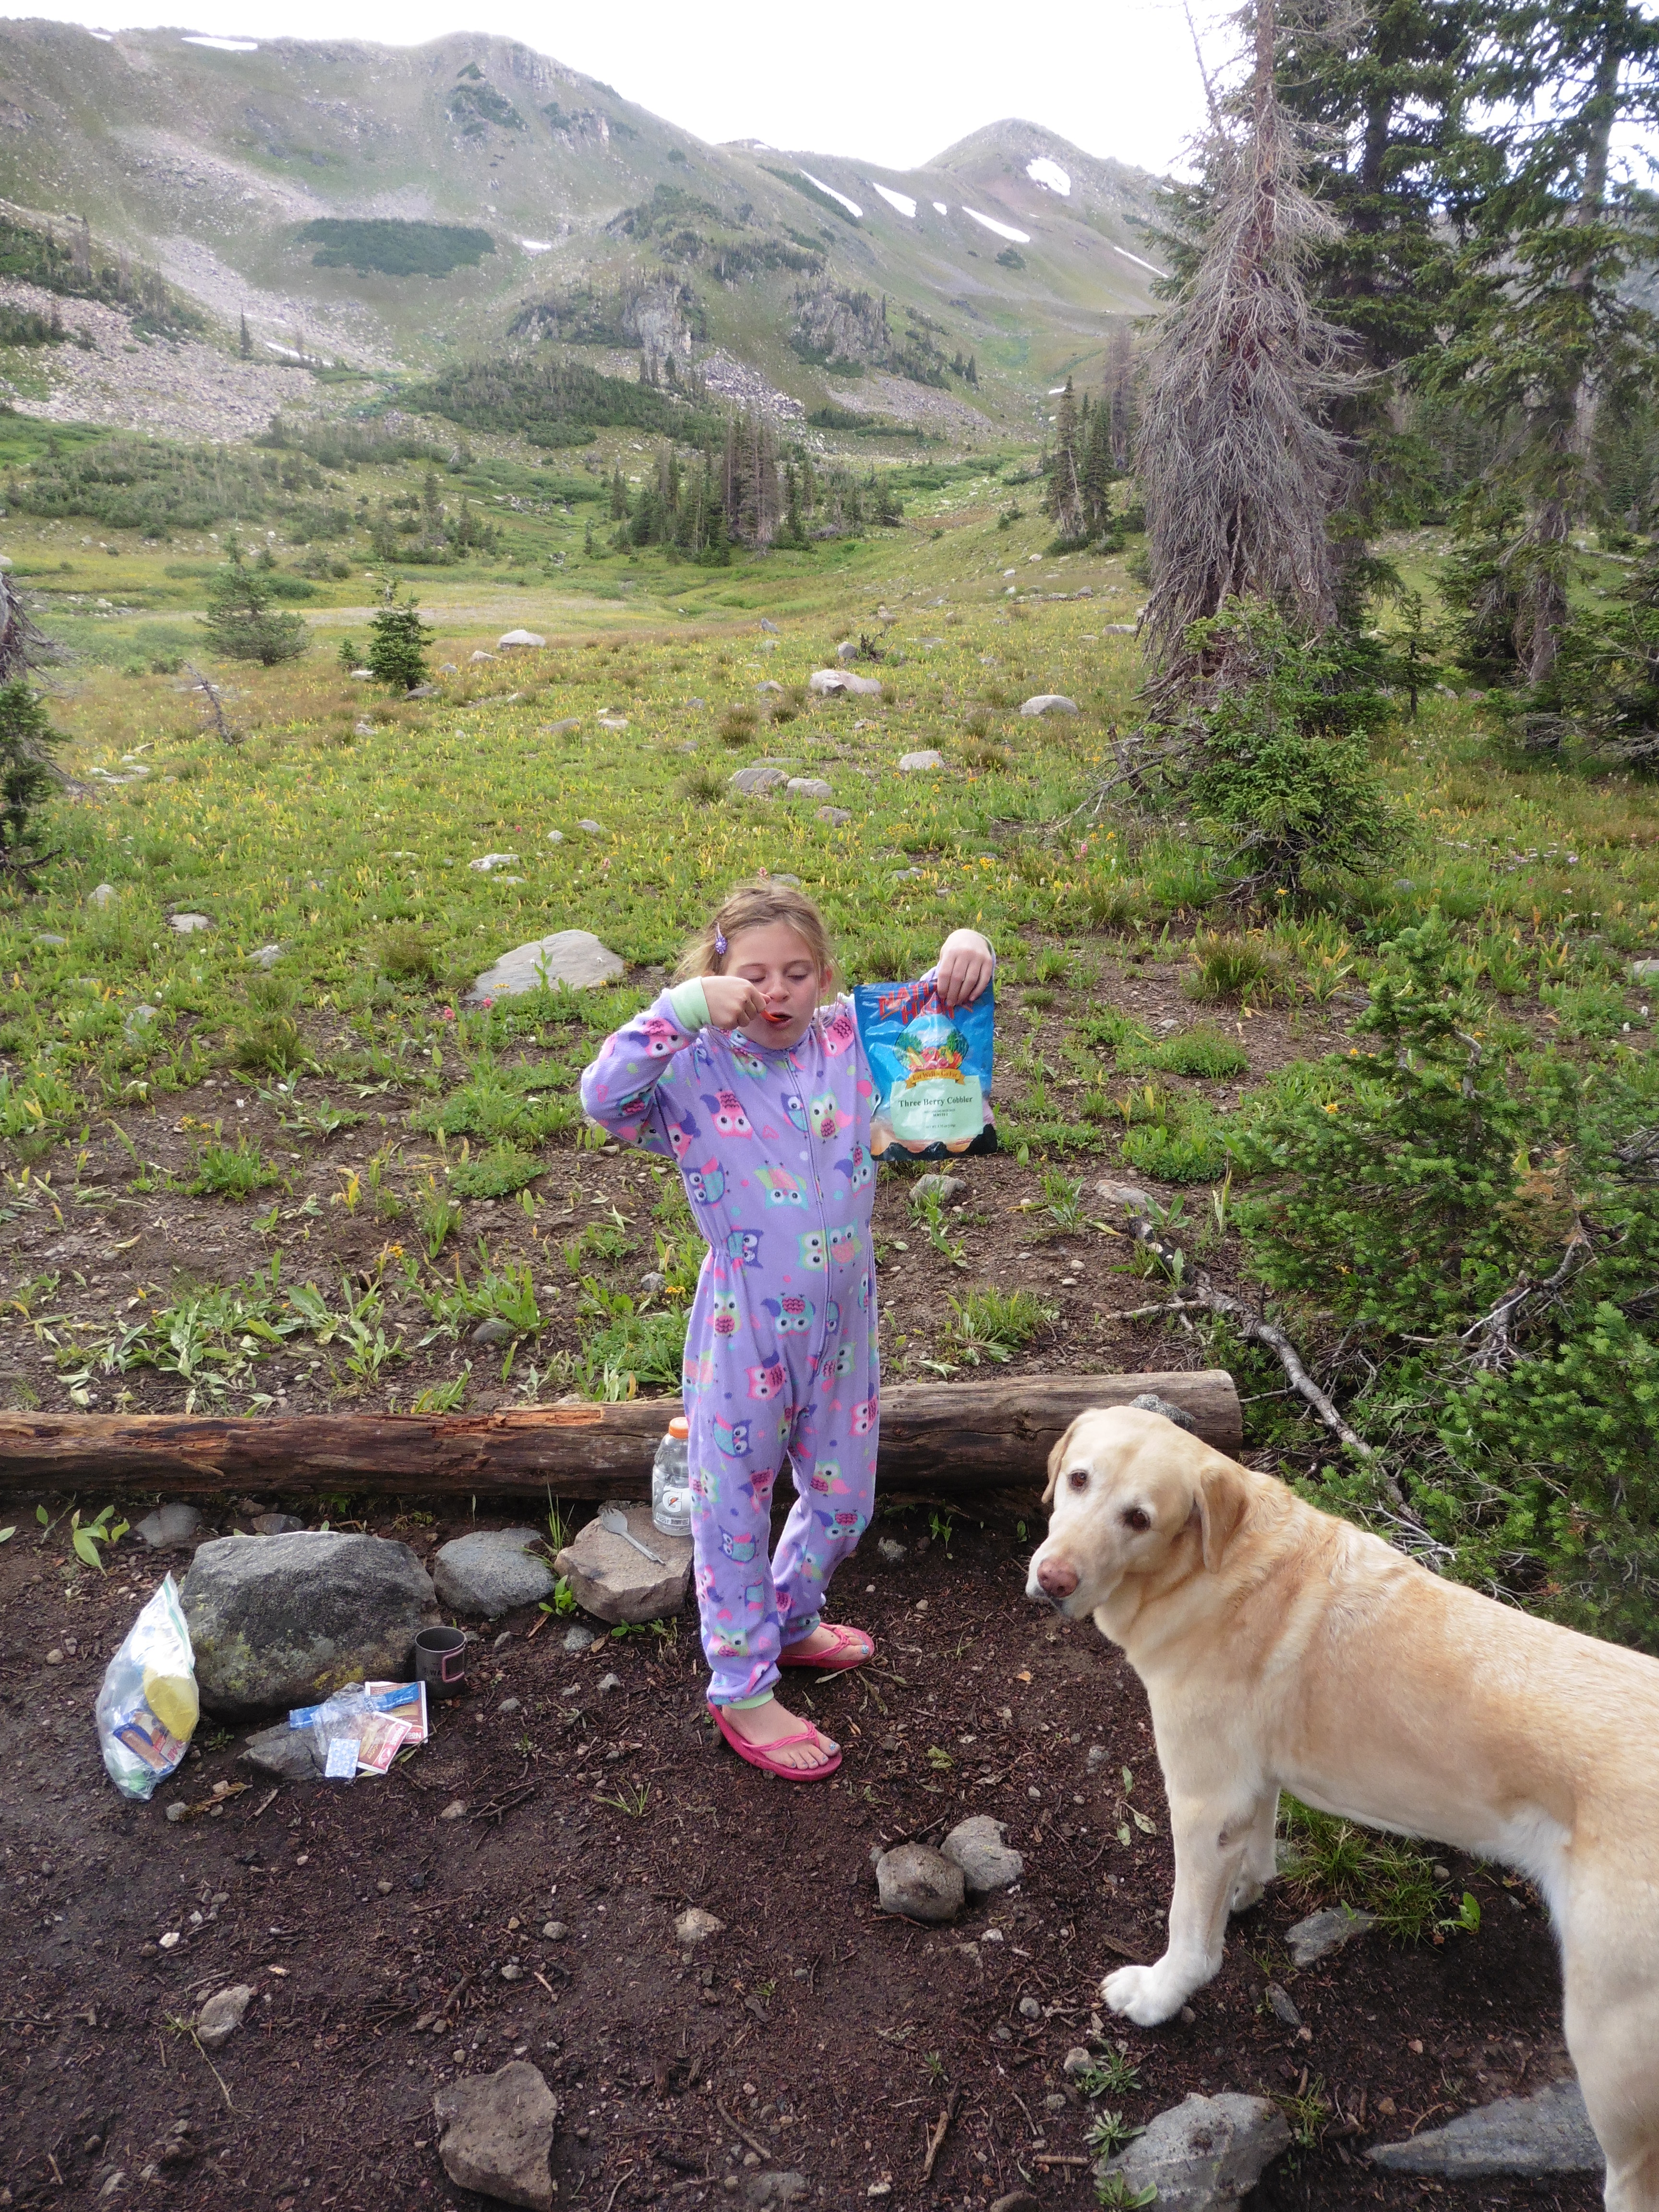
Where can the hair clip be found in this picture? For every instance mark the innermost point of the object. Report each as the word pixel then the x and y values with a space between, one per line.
pixel 720 941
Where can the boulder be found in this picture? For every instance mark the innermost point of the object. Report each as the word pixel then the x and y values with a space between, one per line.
pixel 575 957
pixel 509 638
pixel 614 1583
pixel 836 817
pixel 920 763
pixel 281 1620
pixel 977 1846
pixel 103 896
pixel 498 2135
pixel 759 781
pixel 918 1883
pixel 170 1527
pixel 492 1571
pixel 1323 1932
pixel 808 787
pixel 829 681
pixel 187 925
pixel 1203 2156
pixel 1548 2132
pixel 1049 702
pixel 223 2015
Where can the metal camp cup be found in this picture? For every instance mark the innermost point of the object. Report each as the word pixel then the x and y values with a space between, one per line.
pixel 440 1660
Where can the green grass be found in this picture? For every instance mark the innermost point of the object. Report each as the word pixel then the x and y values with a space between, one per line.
pixel 992 1325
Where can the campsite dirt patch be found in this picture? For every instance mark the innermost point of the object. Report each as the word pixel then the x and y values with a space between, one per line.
pixel 394 1943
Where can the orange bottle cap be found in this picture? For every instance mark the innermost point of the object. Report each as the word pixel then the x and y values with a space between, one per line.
pixel 679 1427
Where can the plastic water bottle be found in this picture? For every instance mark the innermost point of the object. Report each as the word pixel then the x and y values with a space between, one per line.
pixel 670 1481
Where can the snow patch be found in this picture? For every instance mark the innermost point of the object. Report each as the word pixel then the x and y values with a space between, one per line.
pixel 222 45
pixel 851 206
pixel 1049 175
pixel 939 208
pixel 902 201
pixel 1054 391
pixel 537 245
pixel 1139 263
pixel 1002 229
pixel 106 38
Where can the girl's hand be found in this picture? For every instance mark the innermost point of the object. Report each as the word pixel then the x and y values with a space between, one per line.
pixel 965 967
pixel 732 1003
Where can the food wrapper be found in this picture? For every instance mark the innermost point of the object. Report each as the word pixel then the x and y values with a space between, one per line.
pixel 931 1070
pixel 148 1705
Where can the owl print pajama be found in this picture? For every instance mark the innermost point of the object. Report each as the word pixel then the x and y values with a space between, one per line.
pixel 781 1354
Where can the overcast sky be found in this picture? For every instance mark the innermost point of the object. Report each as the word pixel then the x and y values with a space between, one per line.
pixel 889 85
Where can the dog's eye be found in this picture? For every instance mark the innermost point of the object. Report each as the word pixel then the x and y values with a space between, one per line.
pixel 1136 1517
pixel 1079 1478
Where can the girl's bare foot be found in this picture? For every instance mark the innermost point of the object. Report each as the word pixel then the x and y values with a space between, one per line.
pixel 764 1725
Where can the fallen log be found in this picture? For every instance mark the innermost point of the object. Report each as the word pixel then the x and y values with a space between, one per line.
pixel 951 1437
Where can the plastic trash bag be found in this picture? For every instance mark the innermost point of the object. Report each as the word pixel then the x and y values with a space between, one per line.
pixel 931 1070
pixel 148 1707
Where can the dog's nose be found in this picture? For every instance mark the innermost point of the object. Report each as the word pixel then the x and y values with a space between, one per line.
pixel 1056 1578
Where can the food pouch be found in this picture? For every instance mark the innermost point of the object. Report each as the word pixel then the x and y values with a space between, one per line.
pixel 931 1069
pixel 147 1708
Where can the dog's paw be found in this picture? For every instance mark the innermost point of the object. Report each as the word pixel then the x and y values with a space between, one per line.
pixel 1247 1891
pixel 1144 1994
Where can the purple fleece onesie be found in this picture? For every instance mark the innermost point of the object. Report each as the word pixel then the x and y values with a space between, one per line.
pixel 780 1357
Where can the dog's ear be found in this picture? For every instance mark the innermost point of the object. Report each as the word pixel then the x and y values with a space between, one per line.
pixel 1221 1502
pixel 1057 1460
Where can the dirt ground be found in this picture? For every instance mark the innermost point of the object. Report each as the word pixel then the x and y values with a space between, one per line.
pixel 391 1947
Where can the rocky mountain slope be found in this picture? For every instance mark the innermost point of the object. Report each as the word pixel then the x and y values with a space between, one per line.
pixel 395 207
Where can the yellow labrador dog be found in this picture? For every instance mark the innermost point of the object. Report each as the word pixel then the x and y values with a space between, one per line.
pixel 1282 1648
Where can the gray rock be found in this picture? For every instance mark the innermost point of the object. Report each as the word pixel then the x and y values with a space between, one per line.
pixel 1327 1931
pixel 187 925
pixel 275 1524
pixel 264 955
pixel 1029 2009
pixel 1149 1402
pixel 421 691
pixel 281 1620
pixel 890 1550
pixel 498 2135
pixel 288 1753
pixel 919 763
pixel 1203 2156
pixel 1642 971
pixel 593 829
pixel 758 782
pixel 47 937
pixel 104 895
pixel 770 626
pixel 1078 2062
pixel 1548 2132
pixel 491 1571
pixel 1016 2200
pixel 1280 2004
pixel 575 957
pixel 775 2185
pixel 848 649
pixel 554 1931
pixel 1098 1757
pixel 170 1527
pixel 944 1187
pixel 918 1883
pixel 827 682
pixel 478 653
pixel 978 1847
pixel 494 1331
pixel 809 786
pixel 488 863
pixel 695 1926
pixel 140 1021
pixel 836 817
pixel 771 684
pixel 1117 629
pixel 221 2015
pixel 1049 702
pixel 510 638
pixel 609 1682
pixel 614 1583
pixel 562 730
pixel 579 1639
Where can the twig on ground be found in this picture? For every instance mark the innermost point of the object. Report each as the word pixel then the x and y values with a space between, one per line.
pixel 211 695
pixel 1494 1347
pixel 936 2141
pixel 753 2141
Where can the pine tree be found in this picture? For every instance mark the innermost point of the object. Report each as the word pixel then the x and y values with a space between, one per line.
pixel 618 495
pixel 1063 499
pixel 398 643
pixel 1096 472
pixel 26 741
pixel 241 622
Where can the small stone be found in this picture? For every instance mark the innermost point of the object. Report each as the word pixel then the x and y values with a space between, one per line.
pixel 102 896
pixel 363 729
pixel 187 925
pixel 758 782
pixel 1049 702
pixel 554 1931
pixel 977 1846
pixel 266 956
pixel 1029 2009
pixel 1322 1932
pixel 169 1527
pixel 614 1583
pixel 695 1926
pixel 498 2135
pixel 421 691
pixel 1148 1402
pixel 47 937
pixel 508 1706
pixel 573 957
pixel 829 681
pixel 512 1971
pixel 173 1939
pixel 1548 2132
pixel 562 730
pixel 770 626
pixel 1645 971
pixel 609 1682
pixel 593 829
pixel 1055 2101
pixel 1098 1757
pixel 1016 2200
pixel 611 721
pixel 1279 2005
pixel 944 1187
pixel 809 786
pixel 771 684
pixel 487 863
pixel 54 1658
pixel 579 1639
pixel 918 1883
pixel 848 649
pixel 288 1753
pixel 836 817
pixel 494 1331
pixel 478 653
pixel 510 638
pixel 275 1524
pixel 1077 2062
pixel 653 1281
pixel 919 763
pixel 777 2186
pixel 454 1811
pixel 890 1550
pixel 178 1812
pixel 221 2015
pixel 1203 2155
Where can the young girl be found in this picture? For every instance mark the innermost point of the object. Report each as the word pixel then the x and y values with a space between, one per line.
pixel 764 1099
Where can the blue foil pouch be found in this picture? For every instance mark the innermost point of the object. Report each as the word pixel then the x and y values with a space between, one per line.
pixel 931 1070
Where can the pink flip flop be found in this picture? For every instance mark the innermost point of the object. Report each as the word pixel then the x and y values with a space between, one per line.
pixel 844 1654
pixel 755 1754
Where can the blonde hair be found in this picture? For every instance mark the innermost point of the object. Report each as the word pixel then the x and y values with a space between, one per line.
pixel 754 905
